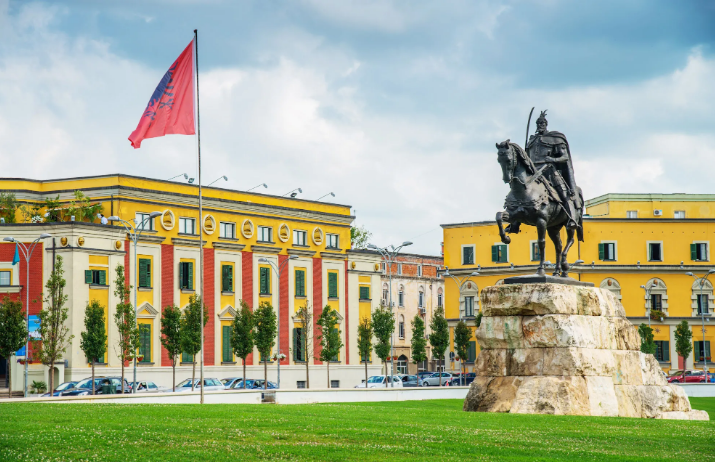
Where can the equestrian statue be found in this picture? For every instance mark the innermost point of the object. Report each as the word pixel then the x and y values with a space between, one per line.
pixel 543 192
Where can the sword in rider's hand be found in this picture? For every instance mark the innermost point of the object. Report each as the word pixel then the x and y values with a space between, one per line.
pixel 528 124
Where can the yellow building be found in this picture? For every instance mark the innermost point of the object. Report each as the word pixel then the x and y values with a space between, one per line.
pixel 630 240
pixel 244 234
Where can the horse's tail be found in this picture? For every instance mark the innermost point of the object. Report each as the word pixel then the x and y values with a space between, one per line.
pixel 579 229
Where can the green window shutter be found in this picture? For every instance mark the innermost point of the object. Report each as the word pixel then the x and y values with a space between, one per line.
pixel 300 283
pixel 502 253
pixel 181 277
pixel 88 276
pixel 666 351
pixel 472 355
pixel 334 330
pixel 224 278
pixel 601 251
pixel 364 293
pixel 186 358
pixel 264 282
pixel 295 344
pixel 190 267
pixel 333 285
pixel 693 252
pixel 145 342
pixel 102 277
pixel 227 344
pixel 142 272
pixel 495 253
pixel 230 278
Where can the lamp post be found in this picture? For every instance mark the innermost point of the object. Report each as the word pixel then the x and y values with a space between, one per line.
pixel 224 177
pixel 326 195
pixel 27 255
pixel 278 269
pixel 702 315
pixel 460 283
pixel 647 297
pixel 257 186
pixel 132 229
pixel 293 193
pixel 389 254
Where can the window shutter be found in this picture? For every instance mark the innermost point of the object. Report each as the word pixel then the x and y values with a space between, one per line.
pixel 332 285
pixel 601 251
pixel 299 283
pixel 190 267
pixel 472 351
pixel 693 251
pixel 295 344
pixel 224 278
pixel 181 277
pixel 334 330
pixel 502 254
pixel 230 278
pixel 88 276
pixel 263 281
pixel 495 253
pixel 142 272
pixel 666 351
pixel 227 344
pixel 102 277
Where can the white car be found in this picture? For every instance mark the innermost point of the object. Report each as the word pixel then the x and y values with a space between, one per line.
pixel 148 387
pixel 378 381
pixel 210 385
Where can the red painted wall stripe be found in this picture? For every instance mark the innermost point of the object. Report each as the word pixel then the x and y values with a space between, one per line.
pixel 317 304
pixel 209 292
pixel 247 287
pixel 127 248
pixel 167 288
pixel 283 309
pixel 347 317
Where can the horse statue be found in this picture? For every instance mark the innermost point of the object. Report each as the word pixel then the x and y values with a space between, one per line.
pixel 533 201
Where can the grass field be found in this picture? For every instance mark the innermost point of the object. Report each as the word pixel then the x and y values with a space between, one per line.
pixel 413 430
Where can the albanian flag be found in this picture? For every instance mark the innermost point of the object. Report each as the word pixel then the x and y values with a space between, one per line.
pixel 171 107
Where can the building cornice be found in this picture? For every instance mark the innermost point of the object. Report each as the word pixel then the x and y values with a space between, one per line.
pixel 333 255
pixel 180 241
pixel 301 252
pixel 265 249
pixel 228 246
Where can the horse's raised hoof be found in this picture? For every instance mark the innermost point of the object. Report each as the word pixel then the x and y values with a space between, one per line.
pixel 556 273
pixel 565 274
pixel 540 271
pixel 506 240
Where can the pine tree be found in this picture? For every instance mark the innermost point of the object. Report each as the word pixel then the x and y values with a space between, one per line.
pixel 94 337
pixel 265 334
pixel 125 320
pixel 365 342
pixel 242 335
pixel 330 340
pixel 192 330
pixel 13 333
pixel 439 338
pixel 171 337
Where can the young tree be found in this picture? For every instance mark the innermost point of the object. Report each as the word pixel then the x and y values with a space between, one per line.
pixel 419 343
pixel 13 333
pixel 191 331
pixel 383 325
pixel 304 316
pixel 647 343
pixel 94 337
pixel 359 237
pixel 683 340
pixel 330 341
pixel 125 319
pixel 54 334
pixel 365 342
pixel 439 338
pixel 171 337
pixel 242 335
pixel 265 336
pixel 462 336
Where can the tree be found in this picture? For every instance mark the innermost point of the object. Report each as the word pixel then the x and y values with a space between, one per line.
pixel 439 338
pixel 265 335
pixel 330 341
pixel 171 337
pixel 647 343
pixel 365 342
pixel 13 333
pixel 383 325
pixel 683 340
pixel 462 336
pixel 126 321
pixel 242 335
pixel 192 330
pixel 359 237
pixel 54 334
pixel 8 206
pixel 419 343
pixel 304 316
pixel 94 338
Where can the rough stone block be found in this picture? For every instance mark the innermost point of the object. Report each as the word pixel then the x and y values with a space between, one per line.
pixel 525 361
pixel 492 394
pixel 578 361
pixel 610 305
pixel 630 401
pixel 698 415
pixel 651 371
pixel 492 363
pixel 602 396
pixel 552 395
pixel 627 367
pixel 539 299
pixel 625 334
pixel 563 331
pixel 500 332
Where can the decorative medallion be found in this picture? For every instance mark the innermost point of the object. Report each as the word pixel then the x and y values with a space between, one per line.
pixel 64 241
pixel 247 229
pixel 352 265
pixel 80 241
pixel 469 285
pixel 657 330
pixel 377 267
pixel 317 236
pixel 283 232
pixel 209 224
pixel 167 220
pixel 610 283
pixel 118 245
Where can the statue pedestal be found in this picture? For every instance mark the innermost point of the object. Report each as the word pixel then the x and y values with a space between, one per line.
pixel 546 279
pixel 567 350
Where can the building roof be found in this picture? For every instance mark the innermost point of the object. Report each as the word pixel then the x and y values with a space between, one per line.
pixel 650 197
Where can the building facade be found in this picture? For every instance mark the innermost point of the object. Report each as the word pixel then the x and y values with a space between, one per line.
pixel 242 232
pixel 630 240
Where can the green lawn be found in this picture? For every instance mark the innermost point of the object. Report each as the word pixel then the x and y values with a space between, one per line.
pixel 426 430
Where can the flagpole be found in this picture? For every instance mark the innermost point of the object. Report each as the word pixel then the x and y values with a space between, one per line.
pixel 201 215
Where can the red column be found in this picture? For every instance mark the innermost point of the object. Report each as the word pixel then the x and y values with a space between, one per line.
pixel 209 291
pixel 347 317
pixel 317 304
pixel 247 286
pixel 127 279
pixel 167 288
pixel 283 308
pixel 7 253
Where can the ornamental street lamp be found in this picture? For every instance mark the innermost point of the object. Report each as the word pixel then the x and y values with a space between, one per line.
pixel 27 255
pixel 134 230
pixel 460 284
pixel 650 302
pixel 703 309
pixel 257 186
pixel 389 254
pixel 278 269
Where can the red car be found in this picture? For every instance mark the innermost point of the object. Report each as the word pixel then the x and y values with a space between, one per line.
pixel 686 376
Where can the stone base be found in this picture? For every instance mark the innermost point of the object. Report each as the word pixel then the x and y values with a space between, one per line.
pixel 567 350
pixel 546 279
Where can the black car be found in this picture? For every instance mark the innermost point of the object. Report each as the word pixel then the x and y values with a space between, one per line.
pixel 84 387
pixel 457 380
pixel 67 386
pixel 409 380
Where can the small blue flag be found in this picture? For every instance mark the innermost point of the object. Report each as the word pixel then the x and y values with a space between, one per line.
pixel 16 258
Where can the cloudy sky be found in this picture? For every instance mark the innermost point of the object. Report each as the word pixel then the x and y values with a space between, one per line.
pixel 393 105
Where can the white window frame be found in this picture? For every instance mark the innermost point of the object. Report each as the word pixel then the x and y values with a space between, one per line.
pixel 383 267
pixel 139 218
pixel 298 235
pixel 675 213
pixel 629 214
pixel 468 297
pixel 182 225
pixel 401 326
pixel 707 249
pixel 261 231
pixel 421 299
pixel 531 250
pixel 329 238
pixel 399 269
pixel 419 271
pixel 401 297
pixel 615 250
pixel 508 251
pixel 223 226
pixel 474 254
pixel 439 300
pixel 662 251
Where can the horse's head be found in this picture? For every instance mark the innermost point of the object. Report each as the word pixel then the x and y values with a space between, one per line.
pixel 507 160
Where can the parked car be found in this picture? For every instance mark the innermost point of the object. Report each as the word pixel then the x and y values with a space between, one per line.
pixel 437 379
pixel 409 380
pixel 686 376
pixel 378 381
pixel 84 387
pixel 253 384
pixel 211 384
pixel 62 387
pixel 228 383
pixel 422 374
pixel 147 387
pixel 457 380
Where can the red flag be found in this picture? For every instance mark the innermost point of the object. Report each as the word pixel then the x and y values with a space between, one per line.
pixel 171 107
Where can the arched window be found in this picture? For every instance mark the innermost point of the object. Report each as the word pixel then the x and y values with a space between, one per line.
pixel 658 296
pixel 401 296
pixel 499 282
pixel 612 285
pixel 421 298
pixel 702 299
pixel 469 300
pixel 401 326
pixel 385 294
pixel 440 298
pixel 402 364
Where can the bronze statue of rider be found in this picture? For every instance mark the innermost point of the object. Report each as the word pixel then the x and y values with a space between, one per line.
pixel 550 153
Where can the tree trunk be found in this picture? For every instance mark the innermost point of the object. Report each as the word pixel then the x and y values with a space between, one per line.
pixel 52 379
pixel 328 365
pixel 9 378
pixel 193 373
pixel 173 374
pixel 307 373
pixel 93 389
pixel 265 373
pixel 366 372
pixel 244 373
pixel 384 368
pixel 439 373
pixel 122 387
